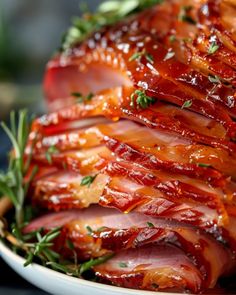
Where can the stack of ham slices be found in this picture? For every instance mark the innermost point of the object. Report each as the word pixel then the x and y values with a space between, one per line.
pixel 144 168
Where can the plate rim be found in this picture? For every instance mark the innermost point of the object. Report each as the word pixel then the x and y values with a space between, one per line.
pixel 5 251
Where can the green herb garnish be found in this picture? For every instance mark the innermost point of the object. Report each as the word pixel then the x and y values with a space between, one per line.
pixel 141 99
pixel 140 54
pixel 213 48
pixel 185 17
pixel 187 104
pixel 123 265
pixel 12 182
pixel 70 245
pixel 203 165
pixel 214 79
pixel 41 249
pixel 93 262
pixel 88 180
pixel 108 13
pixel 172 38
pixel 89 229
pixel 50 152
pixel 150 224
pixel 36 245
pixel 80 98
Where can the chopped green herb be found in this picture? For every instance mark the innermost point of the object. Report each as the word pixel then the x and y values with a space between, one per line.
pixel 51 151
pixel 142 99
pixel 89 96
pixel 88 180
pixel 80 98
pixel 203 165
pixel 188 19
pixel 123 265
pixel 76 94
pixel 149 58
pixel 172 38
pixel 214 79
pixel 169 55
pixel 150 224
pixel 138 55
pixel 187 104
pixel 89 229
pixel 213 48
pixel 185 17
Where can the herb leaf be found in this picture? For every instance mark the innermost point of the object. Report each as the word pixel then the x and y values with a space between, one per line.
pixel 123 265
pixel 184 15
pixel 213 48
pixel 89 229
pixel 80 98
pixel 214 79
pixel 12 181
pixel 150 224
pixel 203 165
pixel 141 99
pixel 138 55
pixel 187 104
pixel 88 180
pixel 93 262
pixel 51 151
pixel 172 38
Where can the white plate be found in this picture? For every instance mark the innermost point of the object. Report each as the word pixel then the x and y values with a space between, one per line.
pixel 60 284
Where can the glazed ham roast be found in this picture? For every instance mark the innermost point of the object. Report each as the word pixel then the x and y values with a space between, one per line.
pixel 137 156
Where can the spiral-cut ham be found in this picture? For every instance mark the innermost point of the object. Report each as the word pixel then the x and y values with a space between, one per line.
pixel 143 123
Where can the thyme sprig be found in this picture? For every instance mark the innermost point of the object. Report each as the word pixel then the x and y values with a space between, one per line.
pixel 108 13
pixel 12 182
pixel 142 100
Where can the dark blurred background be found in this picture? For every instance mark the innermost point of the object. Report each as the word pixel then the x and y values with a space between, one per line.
pixel 30 32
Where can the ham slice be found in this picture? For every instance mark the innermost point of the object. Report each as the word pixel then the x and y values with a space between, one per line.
pixel 152 268
pixel 96 231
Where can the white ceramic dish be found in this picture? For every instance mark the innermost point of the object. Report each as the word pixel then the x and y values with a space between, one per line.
pixel 59 284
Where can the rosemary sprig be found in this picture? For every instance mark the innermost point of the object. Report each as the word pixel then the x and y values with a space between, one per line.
pixel 35 245
pixel 12 182
pixel 93 262
pixel 108 13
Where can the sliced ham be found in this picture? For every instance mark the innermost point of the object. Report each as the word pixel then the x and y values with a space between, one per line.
pixel 96 231
pixel 152 268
